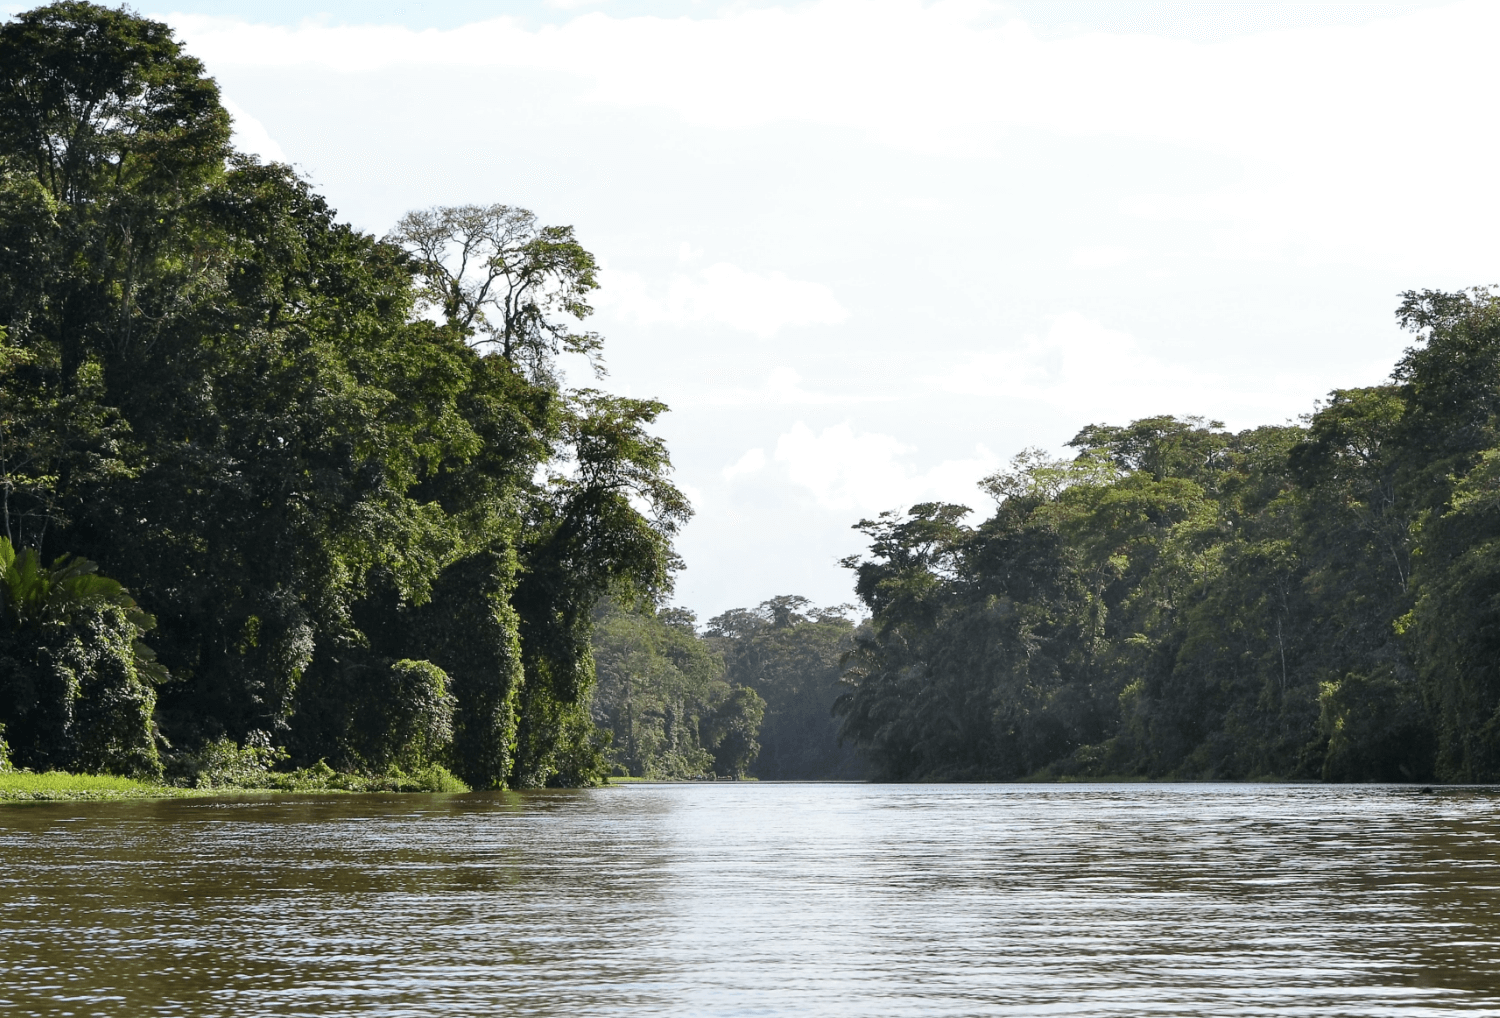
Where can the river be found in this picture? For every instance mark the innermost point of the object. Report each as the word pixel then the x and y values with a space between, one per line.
pixel 760 899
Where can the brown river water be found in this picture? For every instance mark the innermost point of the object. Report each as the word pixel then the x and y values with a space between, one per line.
pixel 760 899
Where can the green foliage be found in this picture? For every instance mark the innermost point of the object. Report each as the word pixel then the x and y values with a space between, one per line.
pixel 225 765
pixel 233 403
pixel 657 681
pixel 471 631
pixel 790 653
pixel 53 786
pixel 1377 729
pixel 663 698
pixel 731 731
pixel 75 679
pixel 1175 601
pixel 99 100
pixel 410 721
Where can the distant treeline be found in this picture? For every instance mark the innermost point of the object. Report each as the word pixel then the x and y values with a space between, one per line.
pixel 359 516
pixel 1318 601
pixel 753 694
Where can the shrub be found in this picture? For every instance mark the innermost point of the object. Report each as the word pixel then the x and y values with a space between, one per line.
pixel 409 721
pixel 75 680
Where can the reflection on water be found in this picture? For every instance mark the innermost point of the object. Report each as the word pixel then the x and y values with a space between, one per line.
pixel 760 900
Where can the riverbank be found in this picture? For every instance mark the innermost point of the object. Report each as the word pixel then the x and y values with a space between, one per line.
pixel 23 786
pixel 617 779
pixel 62 786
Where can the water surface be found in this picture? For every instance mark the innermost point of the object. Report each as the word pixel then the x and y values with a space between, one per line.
pixel 760 899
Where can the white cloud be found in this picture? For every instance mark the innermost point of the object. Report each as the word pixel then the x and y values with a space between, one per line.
pixel 724 294
pixel 784 386
pixel 1085 367
pixel 750 463
pixel 1104 257
pixel 870 472
pixel 1320 118
pixel 250 135
pixel 907 69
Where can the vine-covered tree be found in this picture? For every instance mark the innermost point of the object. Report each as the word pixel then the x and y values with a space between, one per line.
pixel 75 679
pixel 336 507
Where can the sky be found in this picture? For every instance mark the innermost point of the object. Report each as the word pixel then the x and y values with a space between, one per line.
pixel 869 250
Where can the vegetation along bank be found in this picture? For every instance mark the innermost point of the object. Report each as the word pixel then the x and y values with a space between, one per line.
pixel 360 518
pixel 1303 601
pixel 284 503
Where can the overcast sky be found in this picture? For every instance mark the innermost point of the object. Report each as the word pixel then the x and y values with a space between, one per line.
pixel 867 251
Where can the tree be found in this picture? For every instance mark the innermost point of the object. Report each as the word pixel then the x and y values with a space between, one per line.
pixel 499 277
pixel 1357 534
pixel 664 700
pixel 237 405
pixel 732 729
pixel 1448 442
pixel 790 653
pixel 517 289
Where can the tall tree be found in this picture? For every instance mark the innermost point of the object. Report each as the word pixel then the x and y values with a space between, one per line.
pixel 498 276
pixel 1449 442
pixel 239 406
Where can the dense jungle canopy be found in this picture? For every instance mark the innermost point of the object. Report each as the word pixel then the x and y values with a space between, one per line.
pixel 276 491
pixel 752 695
pixel 357 512
pixel 1318 601
pixel 1307 601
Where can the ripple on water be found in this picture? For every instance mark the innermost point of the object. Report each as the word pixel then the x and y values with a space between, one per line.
pixel 760 899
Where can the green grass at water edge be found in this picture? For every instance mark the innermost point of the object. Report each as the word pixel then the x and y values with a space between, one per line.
pixel 55 786
pixel 23 786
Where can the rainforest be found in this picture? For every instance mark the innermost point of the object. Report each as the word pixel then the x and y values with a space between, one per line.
pixel 280 495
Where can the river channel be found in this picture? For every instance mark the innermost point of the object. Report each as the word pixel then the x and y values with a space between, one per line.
pixel 760 899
